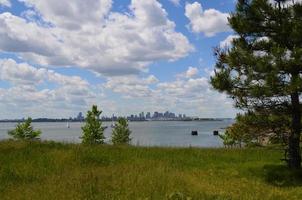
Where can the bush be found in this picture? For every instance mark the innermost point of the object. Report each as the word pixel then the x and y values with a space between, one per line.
pixel 121 132
pixel 25 131
pixel 93 132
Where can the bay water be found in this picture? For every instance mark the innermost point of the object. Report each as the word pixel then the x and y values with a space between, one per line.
pixel 147 133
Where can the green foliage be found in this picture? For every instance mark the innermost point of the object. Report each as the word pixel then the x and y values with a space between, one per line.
pixel 25 131
pixel 253 128
pixel 93 132
pixel 228 139
pixel 121 132
pixel 262 70
pixel 262 67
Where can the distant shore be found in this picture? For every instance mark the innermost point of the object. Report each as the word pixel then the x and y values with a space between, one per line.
pixel 105 120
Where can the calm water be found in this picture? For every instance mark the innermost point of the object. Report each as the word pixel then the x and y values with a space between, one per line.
pixel 143 133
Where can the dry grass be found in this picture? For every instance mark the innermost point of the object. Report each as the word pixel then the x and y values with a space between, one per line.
pixel 69 171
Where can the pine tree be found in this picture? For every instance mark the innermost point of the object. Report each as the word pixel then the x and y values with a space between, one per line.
pixel 93 132
pixel 262 70
pixel 25 131
pixel 121 132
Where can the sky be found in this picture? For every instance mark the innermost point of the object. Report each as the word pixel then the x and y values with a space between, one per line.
pixel 58 58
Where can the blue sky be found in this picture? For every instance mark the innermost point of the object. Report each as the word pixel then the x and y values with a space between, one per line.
pixel 58 58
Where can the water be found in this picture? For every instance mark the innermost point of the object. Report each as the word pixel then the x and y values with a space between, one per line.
pixel 152 133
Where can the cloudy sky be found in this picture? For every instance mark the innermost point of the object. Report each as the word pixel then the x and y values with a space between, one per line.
pixel 59 57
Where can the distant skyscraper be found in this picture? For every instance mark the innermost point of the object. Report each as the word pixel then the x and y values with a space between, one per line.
pixel 80 116
pixel 171 115
pixel 142 115
pixel 148 115
pixel 155 115
pixel 160 115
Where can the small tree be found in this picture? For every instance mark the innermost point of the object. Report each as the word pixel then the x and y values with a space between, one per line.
pixel 25 131
pixel 255 129
pixel 93 132
pixel 228 139
pixel 248 130
pixel 121 132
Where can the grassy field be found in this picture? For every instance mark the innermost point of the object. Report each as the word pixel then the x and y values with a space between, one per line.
pixel 69 171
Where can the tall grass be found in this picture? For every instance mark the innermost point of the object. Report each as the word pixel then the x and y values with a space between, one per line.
pixel 51 170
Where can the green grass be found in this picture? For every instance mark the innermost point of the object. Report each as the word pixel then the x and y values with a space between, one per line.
pixel 69 171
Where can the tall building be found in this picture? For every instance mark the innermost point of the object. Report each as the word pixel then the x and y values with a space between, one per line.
pixel 148 115
pixel 142 115
pixel 155 115
pixel 171 115
pixel 80 117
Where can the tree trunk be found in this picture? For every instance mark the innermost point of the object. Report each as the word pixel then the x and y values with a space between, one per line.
pixel 294 154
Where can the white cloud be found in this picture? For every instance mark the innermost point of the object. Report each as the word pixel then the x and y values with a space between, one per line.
pixel 75 14
pixel 22 74
pixel 195 96
pixel 210 21
pixel 192 72
pixel 42 90
pixel 151 79
pixel 131 86
pixel 25 74
pixel 99 39
pixel 228 41
pixel 175 2
pixel 118 45
pixel 187 94
pixel 209 72
pixel 5 3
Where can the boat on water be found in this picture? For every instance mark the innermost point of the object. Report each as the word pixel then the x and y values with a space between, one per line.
pixel 68 125
pixel 215 133
pixel 194 133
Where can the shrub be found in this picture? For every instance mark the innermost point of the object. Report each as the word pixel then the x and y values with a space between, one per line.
pixel 93 132
pixel 25 131
pixel 121 132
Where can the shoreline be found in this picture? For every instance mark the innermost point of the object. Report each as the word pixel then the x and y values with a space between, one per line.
pixel 155 120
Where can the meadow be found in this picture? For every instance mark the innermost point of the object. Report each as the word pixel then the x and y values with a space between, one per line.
pixel 49 170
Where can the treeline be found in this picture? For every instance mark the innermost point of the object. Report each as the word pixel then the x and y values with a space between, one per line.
pixel 93 131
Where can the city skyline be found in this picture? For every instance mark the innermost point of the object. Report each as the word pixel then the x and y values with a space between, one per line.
pixel 149 115
pixel 140 116
pixel 123 56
